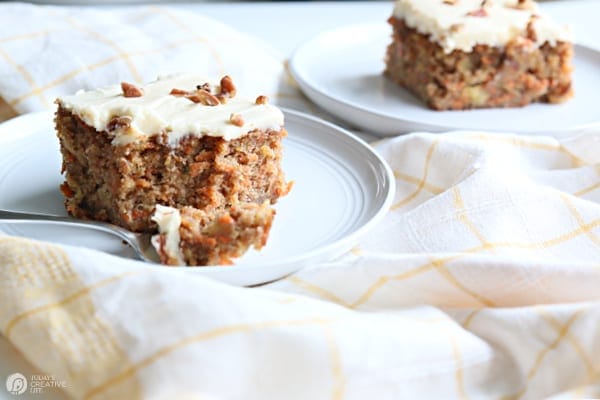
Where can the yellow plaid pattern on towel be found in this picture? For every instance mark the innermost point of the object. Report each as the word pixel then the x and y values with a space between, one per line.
pixel 46 309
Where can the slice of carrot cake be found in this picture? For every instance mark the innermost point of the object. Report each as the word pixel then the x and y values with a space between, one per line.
pixel 460 54
pixel 181 141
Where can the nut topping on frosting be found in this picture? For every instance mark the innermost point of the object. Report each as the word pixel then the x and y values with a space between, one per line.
pixel 204 86
pixel 205 94
pixel 179 92
pixel 480 12
pixel 526 5
pixel 236 119
pixel 262 100
pixel 167 109
pixel 200 95
pixel 530 30
pixel 204 97
pixel 456 27
pixel 130 90
pixel 117 123
pixel 227 90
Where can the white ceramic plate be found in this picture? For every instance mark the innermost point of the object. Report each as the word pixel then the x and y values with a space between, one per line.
pixel 341 189
pixel 341 70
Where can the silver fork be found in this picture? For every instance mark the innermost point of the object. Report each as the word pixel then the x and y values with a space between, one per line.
pixel 139 242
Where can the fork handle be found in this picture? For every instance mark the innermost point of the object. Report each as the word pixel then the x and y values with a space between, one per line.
pixel 13 216
pixel 25 217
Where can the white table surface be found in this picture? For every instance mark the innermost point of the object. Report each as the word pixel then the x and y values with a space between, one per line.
pixel 285 25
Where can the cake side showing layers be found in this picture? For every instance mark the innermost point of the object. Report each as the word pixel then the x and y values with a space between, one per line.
pixel 117 170
pixel 189 236
pixel 522 70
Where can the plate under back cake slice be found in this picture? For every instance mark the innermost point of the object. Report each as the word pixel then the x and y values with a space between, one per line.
pixel 461 54
pixel 180 141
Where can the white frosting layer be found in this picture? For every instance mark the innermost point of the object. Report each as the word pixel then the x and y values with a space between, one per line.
pixel 452 27
pixel 168 220
pixel 157 111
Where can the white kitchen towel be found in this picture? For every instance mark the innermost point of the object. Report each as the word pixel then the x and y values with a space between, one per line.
pixel 482 282
pixel 50 51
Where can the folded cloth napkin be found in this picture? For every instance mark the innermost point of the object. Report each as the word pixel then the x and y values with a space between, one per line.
pixel 481 282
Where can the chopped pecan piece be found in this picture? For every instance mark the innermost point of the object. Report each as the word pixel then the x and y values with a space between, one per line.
pixel 204 86
pixel 227 86
pixel 522 5
pixel 531 33
pixel 456 27
pixel 480 12
pixel 227 89
pixel 236 119
pixel 117 123
pixel 178 92
pixel 130 90
pixel 204 93
pixel 262 100
pixel 450 2
pixel 204 97
pixel 197 96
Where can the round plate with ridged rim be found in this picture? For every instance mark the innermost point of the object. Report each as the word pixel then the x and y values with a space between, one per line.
pixel 341 189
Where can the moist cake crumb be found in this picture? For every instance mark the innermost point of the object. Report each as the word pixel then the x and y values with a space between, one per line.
pixel 189 236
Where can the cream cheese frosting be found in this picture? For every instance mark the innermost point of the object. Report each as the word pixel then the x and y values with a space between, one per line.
pixel 157 111
pixel 460 25
pixel 168 220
